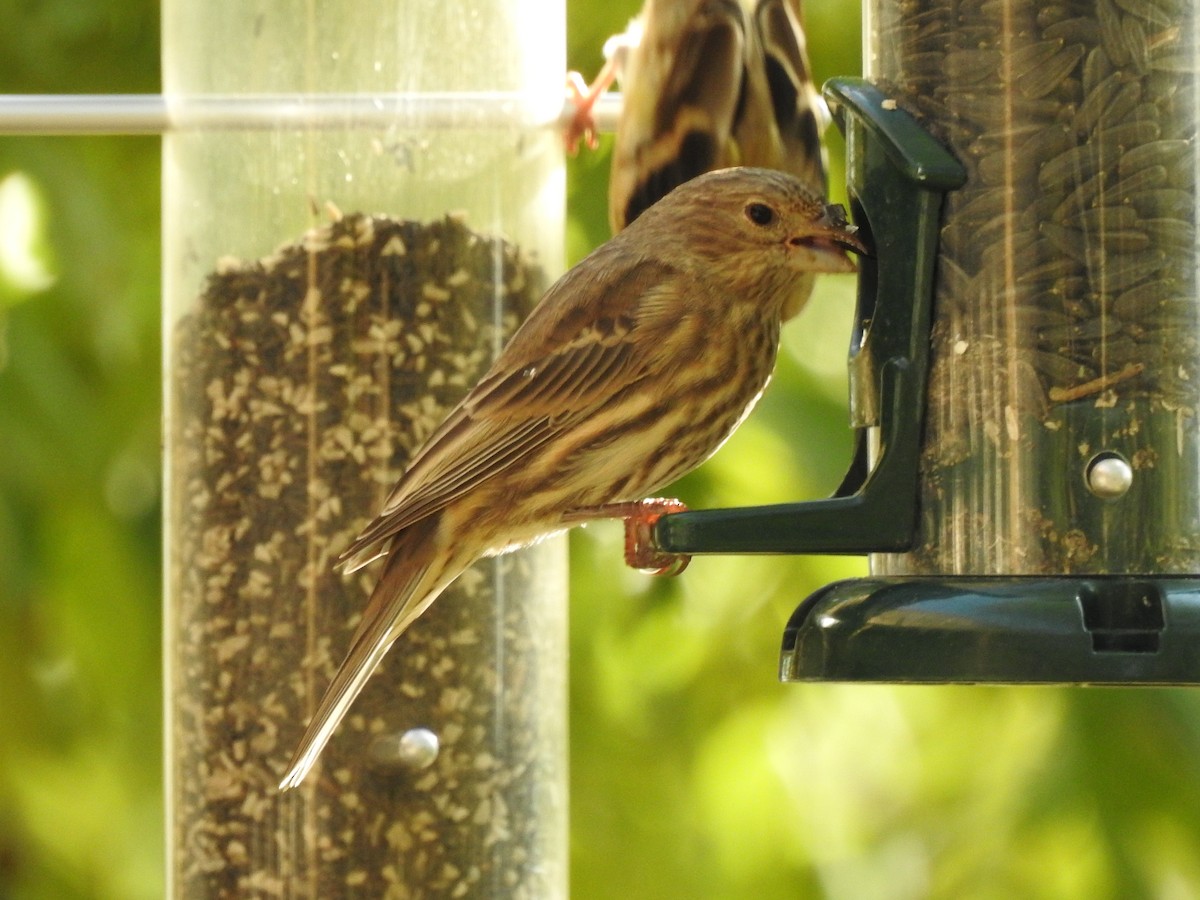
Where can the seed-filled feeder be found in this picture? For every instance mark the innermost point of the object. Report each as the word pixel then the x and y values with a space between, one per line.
pixel 1025 367
pixel 361 202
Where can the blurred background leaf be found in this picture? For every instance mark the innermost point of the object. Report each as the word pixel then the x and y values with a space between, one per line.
pixel 694 772
pixel 80 695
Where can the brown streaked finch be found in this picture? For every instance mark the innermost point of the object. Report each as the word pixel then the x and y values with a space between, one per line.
pixel 705 84
pixel 633 369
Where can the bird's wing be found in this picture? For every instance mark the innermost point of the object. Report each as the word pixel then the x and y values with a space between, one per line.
pixel 576 350
pixel 797 110
pixel 682 98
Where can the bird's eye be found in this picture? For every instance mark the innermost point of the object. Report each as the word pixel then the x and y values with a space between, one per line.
pixel 760 213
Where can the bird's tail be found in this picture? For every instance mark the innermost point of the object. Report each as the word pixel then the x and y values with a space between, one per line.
pixel 418 568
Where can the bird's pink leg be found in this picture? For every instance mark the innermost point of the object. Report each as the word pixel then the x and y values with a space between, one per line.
pixel 639 516
pixel 582 126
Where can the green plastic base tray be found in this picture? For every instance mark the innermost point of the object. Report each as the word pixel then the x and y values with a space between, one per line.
pixel 1062 630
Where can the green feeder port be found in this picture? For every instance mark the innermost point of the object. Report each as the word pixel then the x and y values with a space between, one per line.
pixel 1025 473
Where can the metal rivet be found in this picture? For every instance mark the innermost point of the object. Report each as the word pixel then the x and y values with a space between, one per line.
pixel 1108 475
pixel 414 749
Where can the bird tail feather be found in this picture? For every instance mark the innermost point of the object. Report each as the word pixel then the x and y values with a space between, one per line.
pixel 416 572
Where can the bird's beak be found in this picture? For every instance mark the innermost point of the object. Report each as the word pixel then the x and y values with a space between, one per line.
pixel 823 247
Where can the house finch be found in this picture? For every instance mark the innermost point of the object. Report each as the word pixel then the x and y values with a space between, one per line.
pixel 705 84
pixel 633 368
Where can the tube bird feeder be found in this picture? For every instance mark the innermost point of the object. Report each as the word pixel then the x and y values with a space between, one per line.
pixel 1025 370
pixel 335 278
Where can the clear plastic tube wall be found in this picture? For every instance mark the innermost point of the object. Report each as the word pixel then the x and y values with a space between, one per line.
pixel 329 292
pixel 1061 432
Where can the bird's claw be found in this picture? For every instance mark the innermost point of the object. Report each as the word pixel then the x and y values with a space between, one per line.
pixel 582 126
pixel 640 517
pixel 641 551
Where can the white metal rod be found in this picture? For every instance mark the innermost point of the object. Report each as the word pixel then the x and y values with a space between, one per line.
pixel 66 114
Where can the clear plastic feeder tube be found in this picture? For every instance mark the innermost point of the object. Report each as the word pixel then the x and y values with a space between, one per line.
pixel 329 293
pixel 1061 432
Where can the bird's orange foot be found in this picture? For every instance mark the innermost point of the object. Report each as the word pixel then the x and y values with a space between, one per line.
pixel 583 97
pixel 640 517
pixel 640 550
pixel 582 126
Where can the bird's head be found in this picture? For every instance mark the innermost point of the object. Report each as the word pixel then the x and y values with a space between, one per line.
pixel 730 211
pixel 753 227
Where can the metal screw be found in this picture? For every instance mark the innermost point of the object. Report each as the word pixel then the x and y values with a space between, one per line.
pixel 414 749
pixel 1108 475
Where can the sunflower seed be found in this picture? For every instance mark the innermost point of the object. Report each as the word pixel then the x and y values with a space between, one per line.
pixel 1171 234
pixel 1125 240
pixel 1030 55
pixel 1175 313
pixel 1037 318
pixel 1120 273
pixel 1167 153
pixel 1070 167
pixel 1112 36
pixel 1146 10
pixel 1096 68
pixel 1096 102
pixel 1067 240
pixel 1184 63
pixel 1134 34
pixel 1100 218
pixel 1132 303
pixel 1144 179
pixel 1170 203
pixel 1051 14
pixel 1058 369
pixel 1079 30
pixel 1081 332
pixel 1046 272
pixel 1080 198
pixel 1043 78
pixel 1122 103
pixel 970 66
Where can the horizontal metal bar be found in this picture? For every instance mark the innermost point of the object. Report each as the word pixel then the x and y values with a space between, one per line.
pixel 66 114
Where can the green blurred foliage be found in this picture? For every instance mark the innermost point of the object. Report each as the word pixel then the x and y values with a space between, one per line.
pixel 694 772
